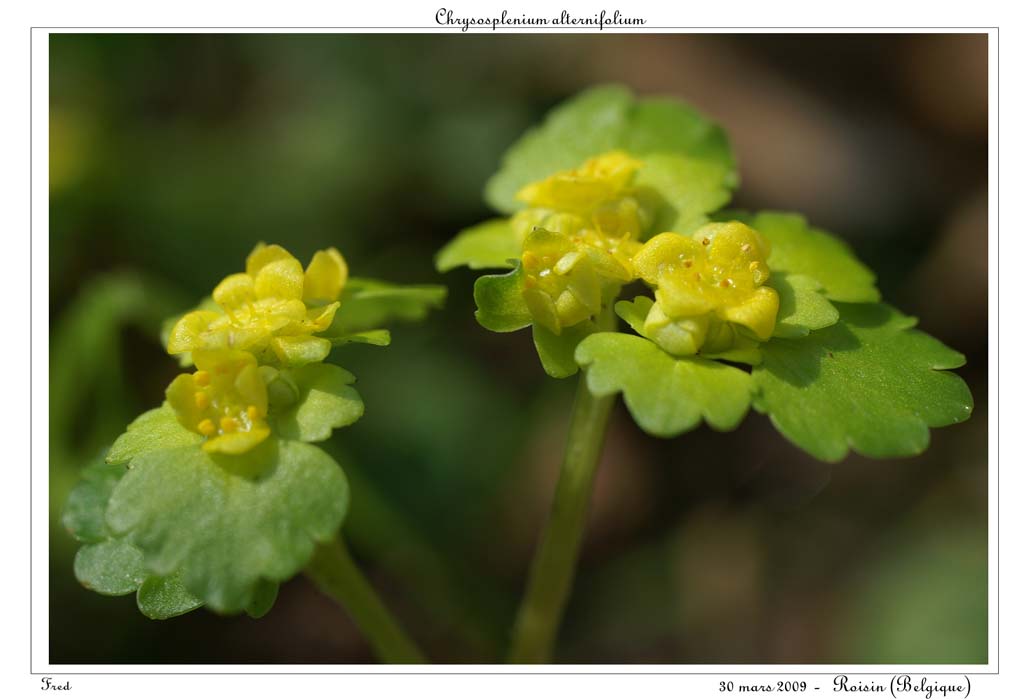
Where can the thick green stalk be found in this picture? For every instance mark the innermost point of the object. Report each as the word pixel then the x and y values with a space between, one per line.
pixel 553 568
pixel 336 574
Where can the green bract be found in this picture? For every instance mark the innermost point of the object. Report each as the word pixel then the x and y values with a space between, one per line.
pixel 754 309
pixel 216 497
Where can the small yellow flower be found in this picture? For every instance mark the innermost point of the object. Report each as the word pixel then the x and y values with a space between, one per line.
pixel 225 400
pixel 274 306
pixel 596 196
pixel 710 289
pixel 564 276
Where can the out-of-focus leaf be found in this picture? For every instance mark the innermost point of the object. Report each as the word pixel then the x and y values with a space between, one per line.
pixel 227 522
pixel 603 119
pixel 164 597
pixel 264 598
pixel 110 567
pixel 83 515
pixel 491 244
pixel 368 304
pixel 157 429
pixel 586 125
pixel 682 191
pixel 326 401
pixel 379 336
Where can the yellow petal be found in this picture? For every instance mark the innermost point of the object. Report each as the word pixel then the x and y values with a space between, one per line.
pixel 571 310
pixel 679 337
pixel 294 351
pixel 325 277
pixel 542 309
pixel 680 297
pixel 757 314
pixel 584 286
pixel 320 318
pixel 264 254
pixel 735 248
pixel 280 279
pixel 581 189
pixel 223 361
pixel 234 291
pixel 251 388
pixel 667 252
pixel 239 442
pixel 187 332
pixel 721 336
pixel 181 397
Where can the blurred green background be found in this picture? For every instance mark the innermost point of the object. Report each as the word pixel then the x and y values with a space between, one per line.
pixel 172 155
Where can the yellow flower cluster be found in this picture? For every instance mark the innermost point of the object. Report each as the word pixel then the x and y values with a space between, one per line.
pixel 710 294
pixel 268 314
pixel 580 240
pixel 578 237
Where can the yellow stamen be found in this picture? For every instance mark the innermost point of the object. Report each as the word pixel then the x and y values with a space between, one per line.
pixel 206 427
pixel 252 412
pixel 754 265
pixel 202 377
pixel 229 424
pixel 202 400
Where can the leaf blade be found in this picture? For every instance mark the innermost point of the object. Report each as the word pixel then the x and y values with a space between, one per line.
pixel 491 244
pixel 869 383
pixel 666 396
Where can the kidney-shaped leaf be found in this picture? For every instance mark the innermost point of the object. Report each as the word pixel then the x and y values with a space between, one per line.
pixel 869 383
pixel 225 523
pixel 666 395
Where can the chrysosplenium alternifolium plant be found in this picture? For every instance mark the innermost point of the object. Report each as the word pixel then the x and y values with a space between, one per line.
pixel 611 191
pixel 218 495
pixel 741 310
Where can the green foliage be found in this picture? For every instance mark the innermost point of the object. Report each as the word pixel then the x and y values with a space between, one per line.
pixel 215 497
pixel 830 378
pixel 798 248
pixel 83 515
pixel 157 429
pixel 263 599
pixel 499 303
pixel 112 565
pixel 491 244
pixel 164 597
pixel 325 401
pixel 368 304
pixel 557 352
pixel 225 523
pixel 682 191
pixel 869 383
pixel 666 395
pixel 604 119
pixel 802 308
pixel 379 337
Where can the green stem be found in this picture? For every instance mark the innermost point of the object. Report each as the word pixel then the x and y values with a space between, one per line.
pixel 336 574
pixel 553 568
